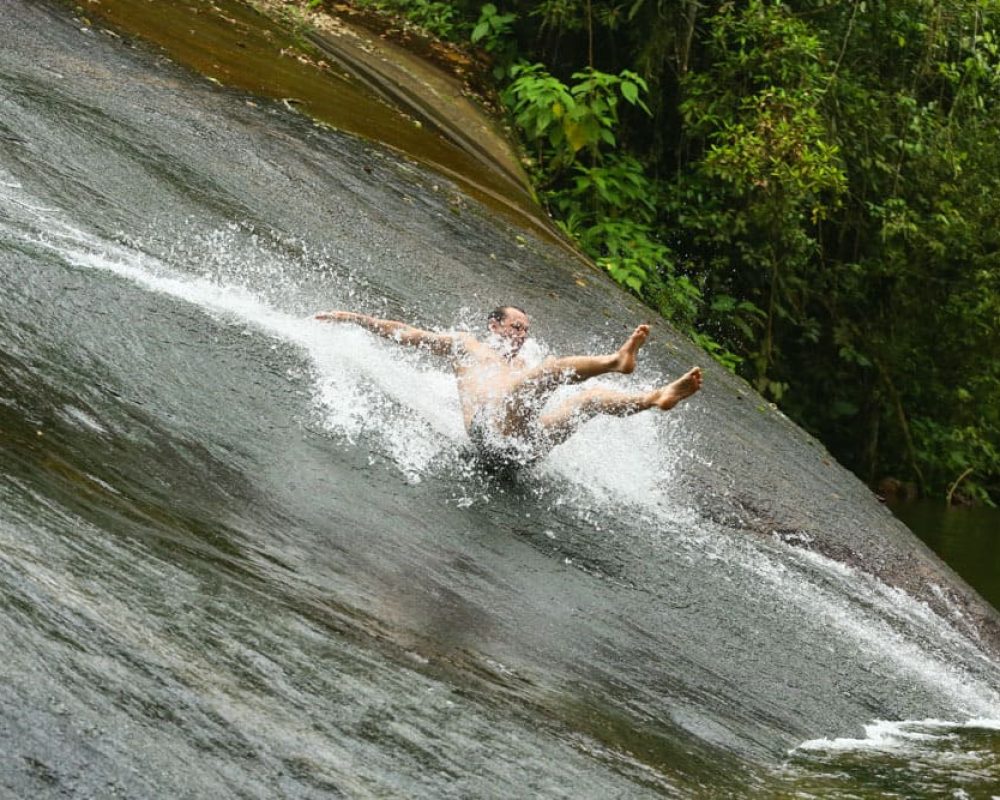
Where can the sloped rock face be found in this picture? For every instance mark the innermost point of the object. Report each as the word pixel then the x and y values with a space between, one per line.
pixel 346 74
pixel 248 548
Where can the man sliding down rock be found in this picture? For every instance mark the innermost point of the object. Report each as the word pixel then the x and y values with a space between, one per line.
pixel 502 397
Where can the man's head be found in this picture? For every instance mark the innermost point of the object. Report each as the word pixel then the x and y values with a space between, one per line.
pixel 510 324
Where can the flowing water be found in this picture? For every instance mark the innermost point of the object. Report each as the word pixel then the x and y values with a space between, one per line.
pixel 245 554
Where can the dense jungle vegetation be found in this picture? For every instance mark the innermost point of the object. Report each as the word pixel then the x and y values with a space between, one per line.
pixel 810 189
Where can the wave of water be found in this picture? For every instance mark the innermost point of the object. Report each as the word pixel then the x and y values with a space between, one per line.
pixel 926 758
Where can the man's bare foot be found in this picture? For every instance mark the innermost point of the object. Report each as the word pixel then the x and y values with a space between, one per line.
pixel 670 395
pixel 625 361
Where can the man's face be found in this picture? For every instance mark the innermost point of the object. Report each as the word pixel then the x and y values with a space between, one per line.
pixel 513 330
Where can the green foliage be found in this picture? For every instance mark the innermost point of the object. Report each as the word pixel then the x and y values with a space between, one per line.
pixel 494 32
pixel 539 103
pixel 614 188
pixel 922 273
pixel 849 206
pixel 768 159
pixel 435 17
pixel 951 450
pixel 604 199
pixel 560 121
pixel 559 15
pixel 727 358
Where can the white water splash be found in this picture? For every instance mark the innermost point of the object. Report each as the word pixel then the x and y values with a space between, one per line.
pixel 901 633
pixel 886 735
pixel 919 758
pixel 403 404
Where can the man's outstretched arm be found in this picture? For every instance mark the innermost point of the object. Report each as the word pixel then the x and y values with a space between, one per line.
pixel 439 343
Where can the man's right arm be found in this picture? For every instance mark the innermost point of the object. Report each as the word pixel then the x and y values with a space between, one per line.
pixel 438 343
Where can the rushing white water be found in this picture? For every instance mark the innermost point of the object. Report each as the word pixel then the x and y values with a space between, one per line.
pixel 930 757
pixel 900 734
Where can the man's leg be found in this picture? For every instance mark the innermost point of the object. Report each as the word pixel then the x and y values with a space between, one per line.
pixel 573 369
pixel 525 398
pixel 565 420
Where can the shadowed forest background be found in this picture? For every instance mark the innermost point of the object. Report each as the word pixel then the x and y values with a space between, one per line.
pixel 808 189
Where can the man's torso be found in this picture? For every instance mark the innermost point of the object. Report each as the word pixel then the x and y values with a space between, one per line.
pixel 485 377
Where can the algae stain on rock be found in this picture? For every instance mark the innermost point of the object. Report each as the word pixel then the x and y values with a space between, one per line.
pixel 346 77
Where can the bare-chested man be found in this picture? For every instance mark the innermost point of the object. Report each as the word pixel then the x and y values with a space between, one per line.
pixel 502 397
